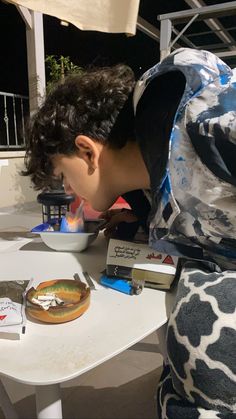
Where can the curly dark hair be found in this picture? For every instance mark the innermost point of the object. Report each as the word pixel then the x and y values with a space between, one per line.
pixel 96 103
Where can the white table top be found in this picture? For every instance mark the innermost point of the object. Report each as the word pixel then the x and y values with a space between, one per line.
pixel 49 354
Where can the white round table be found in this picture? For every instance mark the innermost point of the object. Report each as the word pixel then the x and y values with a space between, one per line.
pixel 50 354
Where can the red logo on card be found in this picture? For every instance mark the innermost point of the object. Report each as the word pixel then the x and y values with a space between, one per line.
pixel 168 260
pixel 3 317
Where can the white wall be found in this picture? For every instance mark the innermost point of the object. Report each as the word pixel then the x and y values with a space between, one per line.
pixel 14 188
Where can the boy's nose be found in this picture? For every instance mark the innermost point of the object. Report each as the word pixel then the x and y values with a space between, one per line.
pixel 68 189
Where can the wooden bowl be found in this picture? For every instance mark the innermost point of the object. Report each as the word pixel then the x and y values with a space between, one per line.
pixel 75 294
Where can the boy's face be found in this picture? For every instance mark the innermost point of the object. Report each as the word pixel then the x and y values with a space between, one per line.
pixel 82 174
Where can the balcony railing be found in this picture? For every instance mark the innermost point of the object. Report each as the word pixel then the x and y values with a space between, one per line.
pixel 14 111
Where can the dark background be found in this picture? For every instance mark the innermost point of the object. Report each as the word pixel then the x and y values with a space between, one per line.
pixel 89 47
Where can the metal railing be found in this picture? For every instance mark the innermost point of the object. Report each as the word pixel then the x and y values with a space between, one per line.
pixel 14 111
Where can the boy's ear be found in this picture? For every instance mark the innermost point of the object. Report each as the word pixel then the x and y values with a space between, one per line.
pixel 88 150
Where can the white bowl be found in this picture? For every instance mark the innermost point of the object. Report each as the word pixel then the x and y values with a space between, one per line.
pixel 72 242
pixel 67 242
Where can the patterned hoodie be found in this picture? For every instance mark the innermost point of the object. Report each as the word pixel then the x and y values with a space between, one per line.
pixel 194 216
pixel 197 208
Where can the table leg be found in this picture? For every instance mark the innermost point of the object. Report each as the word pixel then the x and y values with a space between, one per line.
pixel 6 404
pixel 161 334
pixel 48 402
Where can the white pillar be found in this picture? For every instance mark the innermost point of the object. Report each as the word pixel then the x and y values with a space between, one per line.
pixel 35 59
pixel 165 38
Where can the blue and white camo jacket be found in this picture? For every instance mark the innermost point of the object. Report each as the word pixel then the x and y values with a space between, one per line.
pixel 196 212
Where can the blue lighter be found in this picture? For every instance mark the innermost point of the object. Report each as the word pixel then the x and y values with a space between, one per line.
pixel 121 285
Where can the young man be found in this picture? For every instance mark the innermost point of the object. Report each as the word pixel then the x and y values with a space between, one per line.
pixel 179 146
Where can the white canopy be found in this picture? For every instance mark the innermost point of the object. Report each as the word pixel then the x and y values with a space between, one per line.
pixel 98 15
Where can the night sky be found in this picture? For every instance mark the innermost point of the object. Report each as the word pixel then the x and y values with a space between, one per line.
pixel 84 48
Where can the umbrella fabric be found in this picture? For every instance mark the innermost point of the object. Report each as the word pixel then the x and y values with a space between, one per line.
pixel 113 16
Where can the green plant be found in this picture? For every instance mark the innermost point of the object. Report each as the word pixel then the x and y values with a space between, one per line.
pixel 58 67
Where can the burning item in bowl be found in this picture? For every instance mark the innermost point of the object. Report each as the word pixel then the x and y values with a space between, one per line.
pixel 58 301
pixel 70 223
pixel 73 223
